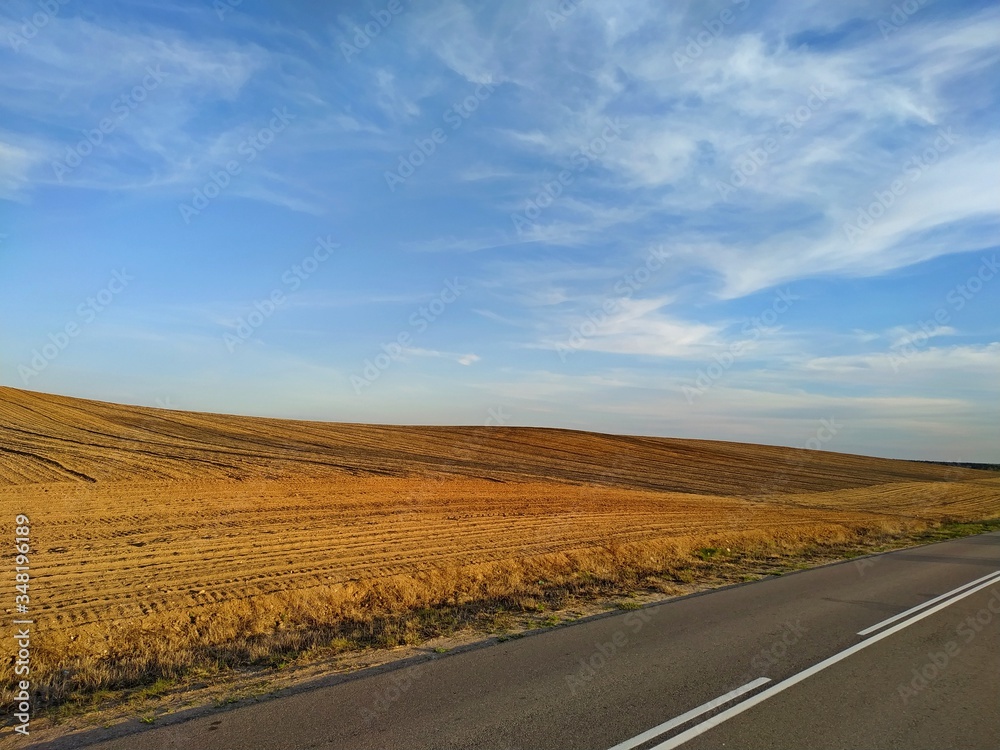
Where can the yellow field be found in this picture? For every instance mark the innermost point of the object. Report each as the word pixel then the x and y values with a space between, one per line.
pixel 166 542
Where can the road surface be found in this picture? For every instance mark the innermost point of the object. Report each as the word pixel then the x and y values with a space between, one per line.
pixel 900 650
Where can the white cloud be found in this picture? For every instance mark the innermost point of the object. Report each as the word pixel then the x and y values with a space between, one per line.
pixel 902 336
pixel 636 327
pixel 393 102
pixel 462 359
pixel 919 362
pixel 16 166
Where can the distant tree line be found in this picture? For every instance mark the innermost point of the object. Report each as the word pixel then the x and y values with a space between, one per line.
pixel 984 467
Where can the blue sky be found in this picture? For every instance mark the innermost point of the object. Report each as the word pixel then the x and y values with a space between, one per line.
pixel 753 221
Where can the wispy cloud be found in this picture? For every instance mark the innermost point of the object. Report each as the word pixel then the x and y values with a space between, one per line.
pixel 462 359
pixel 801 149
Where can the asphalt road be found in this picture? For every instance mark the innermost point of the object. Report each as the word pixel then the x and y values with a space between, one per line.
pixel 775 664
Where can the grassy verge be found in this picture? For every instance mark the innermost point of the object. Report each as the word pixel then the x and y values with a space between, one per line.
pixel 140 663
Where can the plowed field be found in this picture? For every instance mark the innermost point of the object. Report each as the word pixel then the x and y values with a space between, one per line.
pixel 183 532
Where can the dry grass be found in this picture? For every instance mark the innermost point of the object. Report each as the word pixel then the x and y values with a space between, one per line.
pixel 175 547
